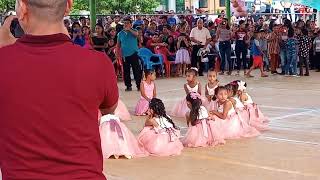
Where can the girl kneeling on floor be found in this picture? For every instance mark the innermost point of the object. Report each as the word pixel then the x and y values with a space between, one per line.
pixel 160 136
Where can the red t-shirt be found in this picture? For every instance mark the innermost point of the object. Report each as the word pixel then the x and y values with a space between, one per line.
pixel 217 21
pixel 50 94
pixel 149 46
pixel 241 35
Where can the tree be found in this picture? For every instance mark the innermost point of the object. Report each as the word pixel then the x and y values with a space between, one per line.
pixel 6 6
pixel 103 6
pixel 111 6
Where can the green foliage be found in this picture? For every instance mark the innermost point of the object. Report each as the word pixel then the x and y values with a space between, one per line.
pixel 103 6
pixel 6 5
pixel 111 6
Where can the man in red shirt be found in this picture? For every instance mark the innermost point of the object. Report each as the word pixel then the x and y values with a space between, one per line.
pixel 51 91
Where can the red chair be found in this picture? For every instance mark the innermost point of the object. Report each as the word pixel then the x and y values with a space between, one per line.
pixel 164 52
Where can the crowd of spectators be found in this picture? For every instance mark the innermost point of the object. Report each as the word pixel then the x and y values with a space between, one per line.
pixel 198 41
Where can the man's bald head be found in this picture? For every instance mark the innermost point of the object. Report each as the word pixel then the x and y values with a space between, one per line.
pixel 47 10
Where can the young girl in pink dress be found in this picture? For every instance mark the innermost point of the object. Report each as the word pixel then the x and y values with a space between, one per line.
pixel 200 132
pixel 256 118
pixel 117 140
pixel 212 84
pixel 122 111
pixel 160 136
pixel 87 36
pixel 193 85
pixel 226 121
pixel 148 91
pixel 182 55
pixel 247 131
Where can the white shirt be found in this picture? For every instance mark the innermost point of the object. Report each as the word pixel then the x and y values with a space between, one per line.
pixel 194 89
pixel 200 35
pixel 316 43
pixel 163 123
pixel 203 113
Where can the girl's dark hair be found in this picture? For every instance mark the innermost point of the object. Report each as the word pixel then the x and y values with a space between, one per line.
pixel 287 23
pixel 100 25
pixel 195 108
pixel 85 27
pixel 291 32
pixel 158 108
pixel 212 70
pixel 147 72
pixel 217 90
pixel 171 46
pixel 233 86
pixel 73 25
pixel 191 70
pixel 304 31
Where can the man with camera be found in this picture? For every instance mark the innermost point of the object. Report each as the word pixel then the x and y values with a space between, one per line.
pixel 50 95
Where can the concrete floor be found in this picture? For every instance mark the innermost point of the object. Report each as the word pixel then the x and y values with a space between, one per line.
pixel 289 151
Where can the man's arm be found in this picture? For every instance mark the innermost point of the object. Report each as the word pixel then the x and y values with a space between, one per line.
pixel 135 33
pixel 118 48
pixel 6 38
pixel 208 36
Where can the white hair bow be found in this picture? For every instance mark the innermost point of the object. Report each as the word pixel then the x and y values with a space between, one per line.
pixel 194 68
pixel 242 86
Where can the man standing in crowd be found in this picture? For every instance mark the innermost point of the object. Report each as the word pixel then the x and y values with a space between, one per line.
pixel 49 99
pixel 274 49
pixel 127 48
pixel 116 24
pixel 200 37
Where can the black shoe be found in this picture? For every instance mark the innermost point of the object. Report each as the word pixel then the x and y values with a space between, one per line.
pixel 128 89
pixel 282 73
pixel 306 74
pixel 318 70
pixel 201 74
pixel 274 72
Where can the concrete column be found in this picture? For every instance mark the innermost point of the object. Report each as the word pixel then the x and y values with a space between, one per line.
pixel 172 5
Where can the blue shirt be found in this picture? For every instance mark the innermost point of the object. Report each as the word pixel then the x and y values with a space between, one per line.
pixel 255 48
pixel 172 21
pixel 128 42
pixel 79 41
pixel 292 46
pixel 137 23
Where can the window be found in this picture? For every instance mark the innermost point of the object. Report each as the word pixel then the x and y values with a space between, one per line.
pixel 203 3
pixel 222 3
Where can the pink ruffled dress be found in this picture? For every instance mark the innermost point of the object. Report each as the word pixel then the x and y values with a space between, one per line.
pixel 118 140
pixel 180 109
pixel 122 111
pixel 256 118
pixel 161 141
pixel 209 104
pixel 87 44
pixel 203 133
pixel 143 105
pixel 248 131
pixel 229 128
